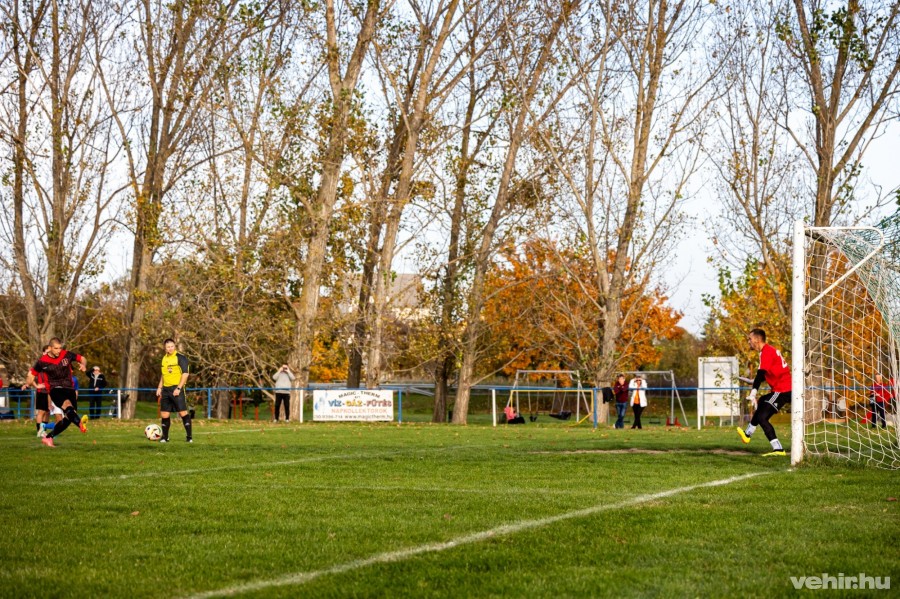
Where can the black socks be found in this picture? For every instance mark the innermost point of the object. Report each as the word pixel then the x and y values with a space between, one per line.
pixel 188 429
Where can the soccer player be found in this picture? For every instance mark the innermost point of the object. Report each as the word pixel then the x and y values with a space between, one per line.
pixel 171 391
pixel 57 365
pixel 41 399
pixel 775 371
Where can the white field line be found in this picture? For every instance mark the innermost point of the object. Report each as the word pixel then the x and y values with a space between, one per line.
pixel 245 466
pixel 299 578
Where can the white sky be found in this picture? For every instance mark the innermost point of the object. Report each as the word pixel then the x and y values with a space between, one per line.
pixel 692 276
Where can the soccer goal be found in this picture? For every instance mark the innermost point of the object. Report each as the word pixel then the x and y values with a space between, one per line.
pixel 845 329
pixel 557 394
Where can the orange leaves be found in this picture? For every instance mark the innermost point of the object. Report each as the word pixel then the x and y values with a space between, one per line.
pixel 545 312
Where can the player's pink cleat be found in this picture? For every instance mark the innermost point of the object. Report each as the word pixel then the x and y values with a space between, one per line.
pixel 743 435
pixel 82 426
pixel 48 441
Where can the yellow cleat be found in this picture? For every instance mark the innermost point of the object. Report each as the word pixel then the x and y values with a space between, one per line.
pixel 780 452
pixel 743 435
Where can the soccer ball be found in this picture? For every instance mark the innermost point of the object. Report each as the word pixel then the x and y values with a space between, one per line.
pixel 153 432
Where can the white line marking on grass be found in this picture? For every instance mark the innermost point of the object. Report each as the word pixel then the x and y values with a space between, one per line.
pixel 507 529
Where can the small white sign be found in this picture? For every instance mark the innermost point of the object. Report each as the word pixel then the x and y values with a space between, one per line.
pixel 346 405
pixel 718 388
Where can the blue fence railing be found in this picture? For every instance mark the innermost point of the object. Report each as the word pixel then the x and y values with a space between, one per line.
pixel 18 404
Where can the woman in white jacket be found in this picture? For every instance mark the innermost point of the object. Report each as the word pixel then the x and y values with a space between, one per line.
pixel 637 397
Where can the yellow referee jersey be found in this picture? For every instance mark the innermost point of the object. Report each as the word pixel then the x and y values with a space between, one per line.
pixel 172 368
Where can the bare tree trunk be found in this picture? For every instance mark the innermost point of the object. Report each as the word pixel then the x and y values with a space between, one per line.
pixel 416 102
pixel 24 60
pixel 448 344
pixel 482 259
pixel 332 158
pixel 179 66
pixel 844 87
pixel 59 149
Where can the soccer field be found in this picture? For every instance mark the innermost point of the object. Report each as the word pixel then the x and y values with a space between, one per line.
pixel 263 510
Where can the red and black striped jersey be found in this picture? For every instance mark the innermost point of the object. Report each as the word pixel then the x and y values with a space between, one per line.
pixel 58 370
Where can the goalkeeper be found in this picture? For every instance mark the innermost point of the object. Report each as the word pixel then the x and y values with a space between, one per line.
pixel 774 370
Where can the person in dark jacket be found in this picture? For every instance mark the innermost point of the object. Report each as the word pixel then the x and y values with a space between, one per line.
pixel 96 387
pixel 620 390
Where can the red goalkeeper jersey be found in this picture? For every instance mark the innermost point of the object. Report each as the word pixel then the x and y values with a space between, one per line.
pixel 778 373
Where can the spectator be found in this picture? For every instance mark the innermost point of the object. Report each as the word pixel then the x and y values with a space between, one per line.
pixel 513 417
pixel 97 384
pixel 284 381
pixel 636 389
pixel 880 395
pixel 620 390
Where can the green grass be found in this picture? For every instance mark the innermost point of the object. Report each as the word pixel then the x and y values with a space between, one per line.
pixel 110 514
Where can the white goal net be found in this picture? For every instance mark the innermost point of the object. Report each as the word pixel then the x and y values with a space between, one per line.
pixel 846 327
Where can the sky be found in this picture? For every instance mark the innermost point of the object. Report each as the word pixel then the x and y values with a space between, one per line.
pixel 691 275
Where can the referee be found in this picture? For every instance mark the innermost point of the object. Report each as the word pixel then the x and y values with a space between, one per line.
pixel 171 391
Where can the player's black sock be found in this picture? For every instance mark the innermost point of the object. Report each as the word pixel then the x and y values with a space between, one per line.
pixel 186 420
pixel 166 423
pixel 38 425
pixel 59 427
pixel 71 415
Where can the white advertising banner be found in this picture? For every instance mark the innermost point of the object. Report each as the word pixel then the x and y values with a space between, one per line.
pixel 344 405
pixel 718 392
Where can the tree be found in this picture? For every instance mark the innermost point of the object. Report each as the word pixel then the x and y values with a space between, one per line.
pixel 182 45
pixel 747 302
pixel 531 57
pixel 541 315
pixel 343 80
pixel 419 76
pixel 625 147
pixel 62 150
pixel 846 63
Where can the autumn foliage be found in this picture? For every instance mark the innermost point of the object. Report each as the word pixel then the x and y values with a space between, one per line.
pixel 543 315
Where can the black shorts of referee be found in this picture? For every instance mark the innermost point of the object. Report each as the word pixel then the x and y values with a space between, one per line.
pixel 169 402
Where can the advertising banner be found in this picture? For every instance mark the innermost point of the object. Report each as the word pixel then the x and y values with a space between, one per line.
pixel 344 405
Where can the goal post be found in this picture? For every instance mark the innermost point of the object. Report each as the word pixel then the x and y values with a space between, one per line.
pixel 845 321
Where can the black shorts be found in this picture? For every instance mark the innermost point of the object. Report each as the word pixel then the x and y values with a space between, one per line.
pixel 41 402
pixel 775 399
pixel 168 402
pixel 60 394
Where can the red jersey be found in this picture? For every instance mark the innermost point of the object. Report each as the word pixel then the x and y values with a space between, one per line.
pixel 778 373
pixel 41 379
pixel 58 370
pixel 882 392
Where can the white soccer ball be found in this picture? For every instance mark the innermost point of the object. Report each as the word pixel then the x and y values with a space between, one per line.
pixel 153 432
